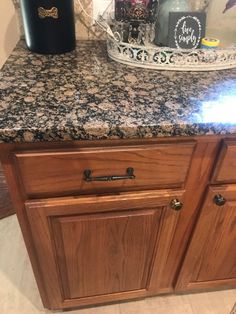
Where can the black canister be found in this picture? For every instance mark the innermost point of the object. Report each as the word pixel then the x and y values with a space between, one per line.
pixel 49 25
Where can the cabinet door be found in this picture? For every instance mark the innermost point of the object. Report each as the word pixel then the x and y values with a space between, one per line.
pixel 98 249
pixel 211 258
pixel 6 207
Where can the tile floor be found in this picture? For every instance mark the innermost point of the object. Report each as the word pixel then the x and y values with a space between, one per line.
pixel 19 294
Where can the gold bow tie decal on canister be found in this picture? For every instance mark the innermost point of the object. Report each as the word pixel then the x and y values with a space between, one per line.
pixel 43 13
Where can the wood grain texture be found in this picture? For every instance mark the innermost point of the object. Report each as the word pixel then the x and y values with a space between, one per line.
pixel 211 257
pixel 225 170
pixel 58 173
pixel 105 253
pixel 195 187
pixel 6 206
pixel 100 248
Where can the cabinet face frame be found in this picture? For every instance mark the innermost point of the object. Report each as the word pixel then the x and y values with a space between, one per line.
pixel 40 213
pixel 208 241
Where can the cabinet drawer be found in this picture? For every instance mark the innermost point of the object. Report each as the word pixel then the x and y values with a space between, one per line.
pixel 53 173
pixel 225 170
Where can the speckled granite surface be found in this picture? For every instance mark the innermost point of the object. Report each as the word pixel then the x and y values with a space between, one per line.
pixel 84 95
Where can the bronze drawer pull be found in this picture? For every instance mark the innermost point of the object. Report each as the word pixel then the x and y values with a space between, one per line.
pixel 129 176
pixel 219 200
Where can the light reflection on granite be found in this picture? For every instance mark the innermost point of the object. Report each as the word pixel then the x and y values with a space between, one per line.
pixel 217 113
pixel 84 95
pixel 221 109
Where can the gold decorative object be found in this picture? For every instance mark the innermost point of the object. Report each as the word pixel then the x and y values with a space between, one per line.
pixel 43 13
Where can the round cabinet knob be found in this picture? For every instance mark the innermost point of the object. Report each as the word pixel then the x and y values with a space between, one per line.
pixel 176 204
pixel 219 200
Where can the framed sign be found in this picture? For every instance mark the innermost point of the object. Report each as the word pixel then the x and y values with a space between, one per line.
pixel 186 29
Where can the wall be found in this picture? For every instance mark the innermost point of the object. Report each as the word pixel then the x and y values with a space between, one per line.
pixel 219 25
pixel 9 29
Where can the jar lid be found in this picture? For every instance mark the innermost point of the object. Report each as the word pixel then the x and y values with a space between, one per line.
pixel 210 42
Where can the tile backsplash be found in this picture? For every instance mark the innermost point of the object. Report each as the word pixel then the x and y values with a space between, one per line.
pixel 85 28
pixel 219 25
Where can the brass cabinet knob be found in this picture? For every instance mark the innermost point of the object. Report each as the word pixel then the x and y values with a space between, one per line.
pixel 219 200
pixel 176 204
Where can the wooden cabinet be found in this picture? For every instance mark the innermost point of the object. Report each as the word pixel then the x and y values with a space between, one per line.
pixel 210 261
pixel 6 206
pixel 97 232
pixel 211 257
pixel 98 249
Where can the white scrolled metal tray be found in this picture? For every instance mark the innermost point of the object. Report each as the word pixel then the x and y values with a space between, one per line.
pixel 164 58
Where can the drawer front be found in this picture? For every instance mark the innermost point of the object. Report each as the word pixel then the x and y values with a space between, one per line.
pixel 225 170
pixel 55 173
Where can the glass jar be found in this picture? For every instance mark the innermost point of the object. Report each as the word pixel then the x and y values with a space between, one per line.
pixel 135 10
pixel 162 25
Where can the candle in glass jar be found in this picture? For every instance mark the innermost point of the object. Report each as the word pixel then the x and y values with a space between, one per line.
pixel 135 10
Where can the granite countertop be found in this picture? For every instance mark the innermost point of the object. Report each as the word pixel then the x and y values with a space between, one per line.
pixel 84 95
